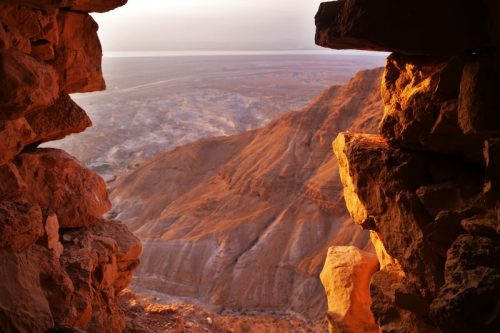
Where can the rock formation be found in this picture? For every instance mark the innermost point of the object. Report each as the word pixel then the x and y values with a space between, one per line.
pixel 427 185
pixel 243 223
pixel 61 263
pixel 346 277
pixel 146 316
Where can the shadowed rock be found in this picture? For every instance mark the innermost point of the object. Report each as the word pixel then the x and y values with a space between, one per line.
pixel 424 27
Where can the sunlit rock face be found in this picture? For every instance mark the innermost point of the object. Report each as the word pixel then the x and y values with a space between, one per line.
pixel 243 223
pixel 427 185
pixel 346 277
pixel 61 263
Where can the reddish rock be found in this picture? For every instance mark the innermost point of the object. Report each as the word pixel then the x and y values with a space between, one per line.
pixel 492 161
pixel 4 39
pixel 390 191
pixel 479 96
pixel 35 289
pixel 61 119
pixel 93 5
pixel 51 238
pixel 421 108
pixel 42 55
pixel 128 250
pixel 346 278
pixel 440 197
pixel 78 54
pixel 60 184
pixel 77 5
pixel 421 188
pixel 424 27
pixel 23 305
pixel 468 302
pixel 385 293
pixel 13 135
pixel 482 225
pixel 25 84
pixel 20 225
pixel 40 291
pixel 99 259
pixel 13 186
pixel 30 31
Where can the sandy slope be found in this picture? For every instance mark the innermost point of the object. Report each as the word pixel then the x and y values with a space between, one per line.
pixel 244 222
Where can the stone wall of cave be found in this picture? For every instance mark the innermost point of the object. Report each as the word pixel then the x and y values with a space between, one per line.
pixel 428 185
pixel 61 264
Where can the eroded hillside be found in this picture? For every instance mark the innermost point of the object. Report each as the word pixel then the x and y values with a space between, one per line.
pixel 244 222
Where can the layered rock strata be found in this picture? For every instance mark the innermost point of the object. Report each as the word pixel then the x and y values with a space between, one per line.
pixel 243 223
pixel 61 263
pixel 427 185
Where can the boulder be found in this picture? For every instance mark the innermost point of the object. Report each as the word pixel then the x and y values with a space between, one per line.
pixel 440 197
pixel 421 108
pixel 478 102
pixel 60 184
pixel 59 120
pixel 98 260
pixel 13 186
pixel 78 54
pixel 13 135
pixel 390 190
pixel 20 225
pixel 30 31
pixel 23 305
pixel 468 302
pixel 346 278
pixel 25 84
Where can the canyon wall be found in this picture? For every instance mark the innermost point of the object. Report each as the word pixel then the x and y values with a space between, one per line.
pixel 243 222
pixel 427 186
pixel 61 263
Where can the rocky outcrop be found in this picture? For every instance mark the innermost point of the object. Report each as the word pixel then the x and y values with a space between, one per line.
pixel 346 277
pixel 426 186
pixel 424 27
pixel 144 315
pixel 62 264
pixel 243 222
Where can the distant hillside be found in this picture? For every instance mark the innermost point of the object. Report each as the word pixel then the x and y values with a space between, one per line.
pixel 244 222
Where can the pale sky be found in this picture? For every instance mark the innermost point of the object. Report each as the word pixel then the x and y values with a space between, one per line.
pixel 173 25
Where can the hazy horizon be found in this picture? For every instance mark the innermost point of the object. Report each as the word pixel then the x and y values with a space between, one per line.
pixel 180 25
